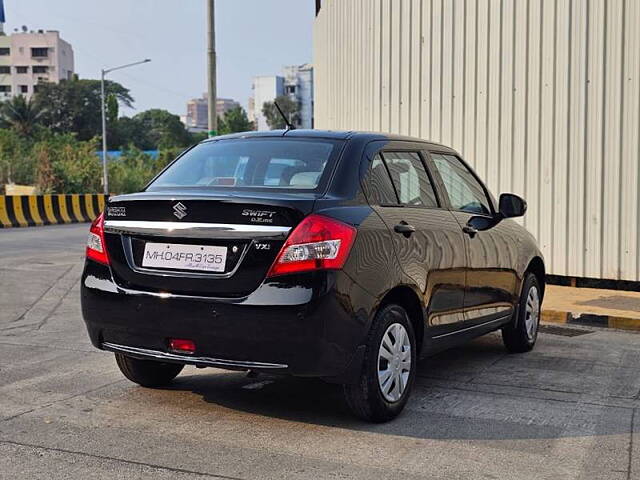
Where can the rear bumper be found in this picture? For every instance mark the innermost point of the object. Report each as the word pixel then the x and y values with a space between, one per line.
pixel 146 354
pixel 306 325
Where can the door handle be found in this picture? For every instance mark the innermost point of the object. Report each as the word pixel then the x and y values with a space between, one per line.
pixel 469 230
pixel 405 229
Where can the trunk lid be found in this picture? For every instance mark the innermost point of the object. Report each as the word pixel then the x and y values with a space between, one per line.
pixel 250 228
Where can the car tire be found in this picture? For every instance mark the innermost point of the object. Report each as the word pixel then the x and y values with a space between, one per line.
pixel 521 334
pixel 147 373
pixel 379 396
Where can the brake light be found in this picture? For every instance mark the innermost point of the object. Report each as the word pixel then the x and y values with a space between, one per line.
pixel 96 247
pixel 317 243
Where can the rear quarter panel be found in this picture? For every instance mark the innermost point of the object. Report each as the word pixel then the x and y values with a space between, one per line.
pixel 372 265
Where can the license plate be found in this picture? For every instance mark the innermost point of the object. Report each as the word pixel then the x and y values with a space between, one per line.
pixel 184 257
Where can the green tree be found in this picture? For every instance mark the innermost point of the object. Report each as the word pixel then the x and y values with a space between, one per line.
pixel 128 131
pixel 112 109
pixel 197 137
pixel 21 115
pixel 74 166
pixel 234 120
pixel 16 165
pixel 163 129
pixel 74 105
pixel 62 164
pixel 150 131
pixel 290 108
pixel 134 169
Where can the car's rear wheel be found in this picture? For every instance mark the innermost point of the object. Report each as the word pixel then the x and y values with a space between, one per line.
pixel 389 368
pixel 521 334
pixel 146 372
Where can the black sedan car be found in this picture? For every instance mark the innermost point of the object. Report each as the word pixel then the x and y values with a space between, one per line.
pixel 340 255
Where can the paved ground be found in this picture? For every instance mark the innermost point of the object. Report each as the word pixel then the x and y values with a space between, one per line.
pixel 614 303
pixel 570 409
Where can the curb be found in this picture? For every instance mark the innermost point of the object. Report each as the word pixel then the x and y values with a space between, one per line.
pixel 590 320
pixel 37 210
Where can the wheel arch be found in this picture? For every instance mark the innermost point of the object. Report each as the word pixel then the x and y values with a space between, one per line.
pixel 408 298
pixel 536 266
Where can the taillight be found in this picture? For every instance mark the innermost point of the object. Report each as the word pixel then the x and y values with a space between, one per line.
pixel 96 247
pixel 317 243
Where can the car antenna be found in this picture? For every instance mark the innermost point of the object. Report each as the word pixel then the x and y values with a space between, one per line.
pixel 284 117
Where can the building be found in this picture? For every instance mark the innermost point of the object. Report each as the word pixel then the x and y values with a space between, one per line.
pixel 224 105
pixel 197 114
pixel 197 117
pixel 30 58
pixel 541 97
pixel 296 82
pixel 265 89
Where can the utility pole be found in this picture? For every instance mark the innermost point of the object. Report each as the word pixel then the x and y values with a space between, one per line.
pixel 103 107
pixel 211 55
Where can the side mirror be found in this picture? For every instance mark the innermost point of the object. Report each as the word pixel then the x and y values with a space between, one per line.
pixel 512 206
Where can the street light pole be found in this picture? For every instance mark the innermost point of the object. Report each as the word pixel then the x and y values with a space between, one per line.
pixel 105 175
pixel 103 101
pixel 211 60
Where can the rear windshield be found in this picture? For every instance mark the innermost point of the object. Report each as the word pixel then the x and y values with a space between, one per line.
pixel 273 163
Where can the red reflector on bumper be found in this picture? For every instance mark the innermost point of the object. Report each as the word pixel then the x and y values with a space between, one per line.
pixel 181 345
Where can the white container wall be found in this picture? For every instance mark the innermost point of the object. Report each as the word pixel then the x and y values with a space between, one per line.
pixel 542 97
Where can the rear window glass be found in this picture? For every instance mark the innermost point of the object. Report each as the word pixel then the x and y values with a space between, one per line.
pixel 287 164
pixel 380 190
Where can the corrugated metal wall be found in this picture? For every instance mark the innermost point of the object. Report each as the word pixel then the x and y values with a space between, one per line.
pixel 541 96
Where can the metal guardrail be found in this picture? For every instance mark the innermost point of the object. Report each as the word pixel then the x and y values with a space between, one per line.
pixel 36 210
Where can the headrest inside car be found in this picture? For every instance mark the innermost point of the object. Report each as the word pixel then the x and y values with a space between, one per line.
pixel 305 179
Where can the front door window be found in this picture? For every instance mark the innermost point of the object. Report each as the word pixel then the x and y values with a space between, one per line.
pixel 465 191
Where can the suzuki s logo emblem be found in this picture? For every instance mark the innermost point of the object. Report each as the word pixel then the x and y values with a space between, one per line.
pixel 179 210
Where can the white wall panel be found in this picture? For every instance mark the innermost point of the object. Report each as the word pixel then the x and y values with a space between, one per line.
pixel 630 148
pixel 577 119
pixel 542 97
pixel 457 73
pixel 560 157
pixel 415 102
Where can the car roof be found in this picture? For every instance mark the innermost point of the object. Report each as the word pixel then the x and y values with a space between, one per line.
pixel 330 134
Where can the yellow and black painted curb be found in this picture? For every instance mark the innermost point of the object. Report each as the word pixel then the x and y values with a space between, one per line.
pixel 590 320
pixel 35 210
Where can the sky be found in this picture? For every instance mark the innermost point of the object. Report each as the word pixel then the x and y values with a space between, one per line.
pixel 254 37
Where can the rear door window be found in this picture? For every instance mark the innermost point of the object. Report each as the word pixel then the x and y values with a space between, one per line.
pixel 270 163
pixel 412 184
pixel 380 190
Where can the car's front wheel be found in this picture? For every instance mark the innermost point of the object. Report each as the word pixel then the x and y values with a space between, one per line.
pixel 389 368
pixel 147 373
pixel 521 334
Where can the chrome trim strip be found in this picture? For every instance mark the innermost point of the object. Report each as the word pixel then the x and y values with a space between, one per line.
pixel 495 320
pixel 188 359
pixel 194 230
pixel 166 295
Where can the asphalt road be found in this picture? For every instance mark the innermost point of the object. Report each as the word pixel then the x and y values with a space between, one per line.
pixel 570 409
